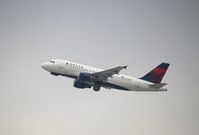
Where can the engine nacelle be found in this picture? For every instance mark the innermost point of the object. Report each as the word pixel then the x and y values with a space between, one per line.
pixel 81 85
pixel 84 77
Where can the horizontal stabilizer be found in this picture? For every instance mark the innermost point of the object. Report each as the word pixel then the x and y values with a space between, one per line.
pixel 157 85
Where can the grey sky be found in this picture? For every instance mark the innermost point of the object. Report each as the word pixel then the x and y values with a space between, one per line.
pixel 105 34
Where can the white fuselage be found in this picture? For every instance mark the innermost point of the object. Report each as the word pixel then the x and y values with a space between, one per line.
pixel 117 81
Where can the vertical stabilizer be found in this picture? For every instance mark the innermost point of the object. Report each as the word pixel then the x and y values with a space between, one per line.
pixel 157 74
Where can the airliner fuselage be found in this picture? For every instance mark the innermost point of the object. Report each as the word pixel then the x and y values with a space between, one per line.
pixel 88 77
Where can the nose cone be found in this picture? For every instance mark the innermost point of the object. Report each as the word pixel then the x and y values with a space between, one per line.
pixel 44 65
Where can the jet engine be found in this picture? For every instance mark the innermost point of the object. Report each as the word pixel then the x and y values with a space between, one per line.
pixel 81 84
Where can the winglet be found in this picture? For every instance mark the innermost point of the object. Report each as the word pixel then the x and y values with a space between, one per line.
pixel 125 67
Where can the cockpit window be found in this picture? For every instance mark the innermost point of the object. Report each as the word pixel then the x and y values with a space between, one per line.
pixel 52 61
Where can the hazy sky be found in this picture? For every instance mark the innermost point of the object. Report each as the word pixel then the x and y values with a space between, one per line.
pixel 141 34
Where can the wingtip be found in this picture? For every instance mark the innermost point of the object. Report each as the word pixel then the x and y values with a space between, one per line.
pixel 125 67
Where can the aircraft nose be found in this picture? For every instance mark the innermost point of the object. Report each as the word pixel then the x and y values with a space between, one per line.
pixel 44 65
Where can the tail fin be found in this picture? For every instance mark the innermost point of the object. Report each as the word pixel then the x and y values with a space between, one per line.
pixel 156 75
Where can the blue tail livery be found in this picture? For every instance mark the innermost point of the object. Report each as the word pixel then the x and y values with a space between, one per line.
pixel 156 75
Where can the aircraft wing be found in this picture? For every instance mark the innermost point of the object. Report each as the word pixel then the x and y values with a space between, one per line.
pixel 103 75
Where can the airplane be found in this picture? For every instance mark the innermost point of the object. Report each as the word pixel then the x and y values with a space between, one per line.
pixel 87 77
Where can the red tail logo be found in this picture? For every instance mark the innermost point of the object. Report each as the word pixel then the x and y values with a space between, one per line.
pixel 157 74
